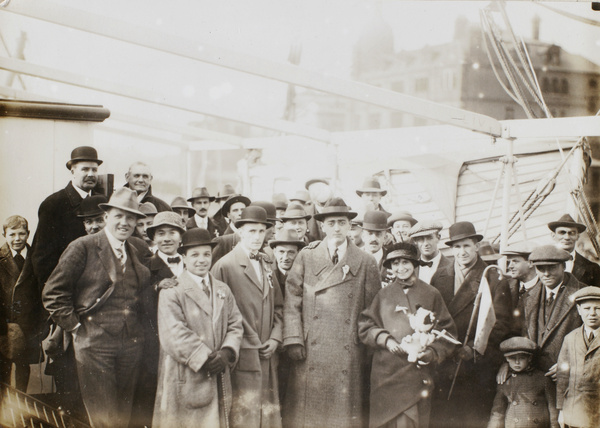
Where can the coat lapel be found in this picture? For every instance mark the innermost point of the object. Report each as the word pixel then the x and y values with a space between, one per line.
pixel 468 290
pixel 578 268
pixel 218 290
pixel 331 275
pixel 8 262
pixel 532 309
pixel 562 306
pixel 106 255
pixel 594 345
pixel 195 293
pixel 244 261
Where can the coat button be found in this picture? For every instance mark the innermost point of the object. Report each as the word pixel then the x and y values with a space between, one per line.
pixel 345 372
pixel 515 403
pixel 316 317
pixel 516 419
pixel 348 321
pixel 347 347
pixel 314 342
pixel 534 403
pixel 350 295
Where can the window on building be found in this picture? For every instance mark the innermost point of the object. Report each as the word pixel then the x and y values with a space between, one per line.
pixel 555 85
pixel 564 86
pixel 593 83
pixel 422 84
pixel 546 85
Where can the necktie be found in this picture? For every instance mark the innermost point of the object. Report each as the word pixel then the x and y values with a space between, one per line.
pixel 522 290
pixel 550 300
pixel 254 256
pixel 121 256
pixel 205 288
pixel 19 260
pixel 175 259
pixel 590 338
pixel 335 258
pixel 428 264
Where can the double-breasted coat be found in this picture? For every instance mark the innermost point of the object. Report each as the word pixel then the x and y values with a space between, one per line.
pixel 563 320
pixel 254 380
pixel 578 380
pixel 322 304
pixel 192 326
pixel 475 387
pixel 396 383
pixel 526 400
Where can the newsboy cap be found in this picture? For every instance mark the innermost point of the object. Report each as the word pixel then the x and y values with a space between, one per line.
pixel 517 345
pixel 424 228
pixel 82 154
pixel 548 255
pixel 522 249
pixel 586 293
pixel 566 221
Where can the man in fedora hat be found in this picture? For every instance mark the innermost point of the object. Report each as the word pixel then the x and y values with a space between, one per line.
pixel 459 283
pixel 370 194
pixel 301 197
pixel 296 218
pixel 180 206
pixel 166 232
pixel 232 210
pixel 200 201
pixel 374 228
pixel 285 246
pixel 258 295
pixel 91 214
pixel 565 232
pixel 426 236
pixel 218 217
pixel 94 294
pixel 326 290
pixel 400 224
pixel 139 178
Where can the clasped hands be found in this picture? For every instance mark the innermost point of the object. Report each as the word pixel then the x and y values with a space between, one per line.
pixel 424 357
pixel 218 360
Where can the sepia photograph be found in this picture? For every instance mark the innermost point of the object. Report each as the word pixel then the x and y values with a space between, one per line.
pixel 282 213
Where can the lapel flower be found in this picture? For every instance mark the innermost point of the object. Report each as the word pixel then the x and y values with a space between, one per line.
pixel 345 270
pixel 221 294
pixel 269 275
pixel 402 309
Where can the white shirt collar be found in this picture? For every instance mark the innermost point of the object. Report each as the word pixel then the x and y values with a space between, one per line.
pixel 553 290
pixel 587 331
pixel 341 248
pixel 201 221
pixel 176 268
pixel 529 284
pixel 23 252
pixel 198 279
pixel 82 192
pixel 114 242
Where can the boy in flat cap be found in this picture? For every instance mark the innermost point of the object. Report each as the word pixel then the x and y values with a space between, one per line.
pixel 426 236
pixel 327 288
pixel 528 397
pixel 578 385
pixel 565 233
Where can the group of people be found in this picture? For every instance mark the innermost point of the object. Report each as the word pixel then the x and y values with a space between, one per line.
pixel 295 312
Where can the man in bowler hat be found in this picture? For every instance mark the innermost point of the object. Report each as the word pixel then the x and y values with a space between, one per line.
pixel 258 296
pixel 459 282
pixel 565 232
pixel 94 294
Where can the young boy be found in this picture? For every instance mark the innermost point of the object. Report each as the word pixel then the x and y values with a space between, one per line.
pixel 12 258
pixel 578 383
pixel 527 398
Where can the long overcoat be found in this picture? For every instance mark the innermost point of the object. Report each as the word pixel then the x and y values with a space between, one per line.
pixel 578 382
pixel 396 383
pixel 526 400
pixel 191 327
pixel 254 380
pixel 322 304
pixel 563 320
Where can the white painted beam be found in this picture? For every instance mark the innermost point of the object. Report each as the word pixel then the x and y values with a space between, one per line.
pixel 180 103
pixel 558 127
pixel 284 72
pixel 185 131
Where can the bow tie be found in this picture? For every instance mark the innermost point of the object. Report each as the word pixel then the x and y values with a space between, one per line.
pixel 176 259
pixel 255 256
pixel 429 264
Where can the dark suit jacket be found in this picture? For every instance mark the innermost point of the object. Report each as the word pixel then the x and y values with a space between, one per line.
pixel 212 227
pixel 314 227
pixel 58 225
pixel 461 305
pixel 445 262
pixel 563 320
pixel 225 244
pixel 219 219
pixel 85 277
pixel 586 271
pixel 154 200
pixel 9 274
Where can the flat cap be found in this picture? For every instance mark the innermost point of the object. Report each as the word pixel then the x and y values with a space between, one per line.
pixel 548 255
pixel 424 228
pixel 586 293
pixel 517 345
